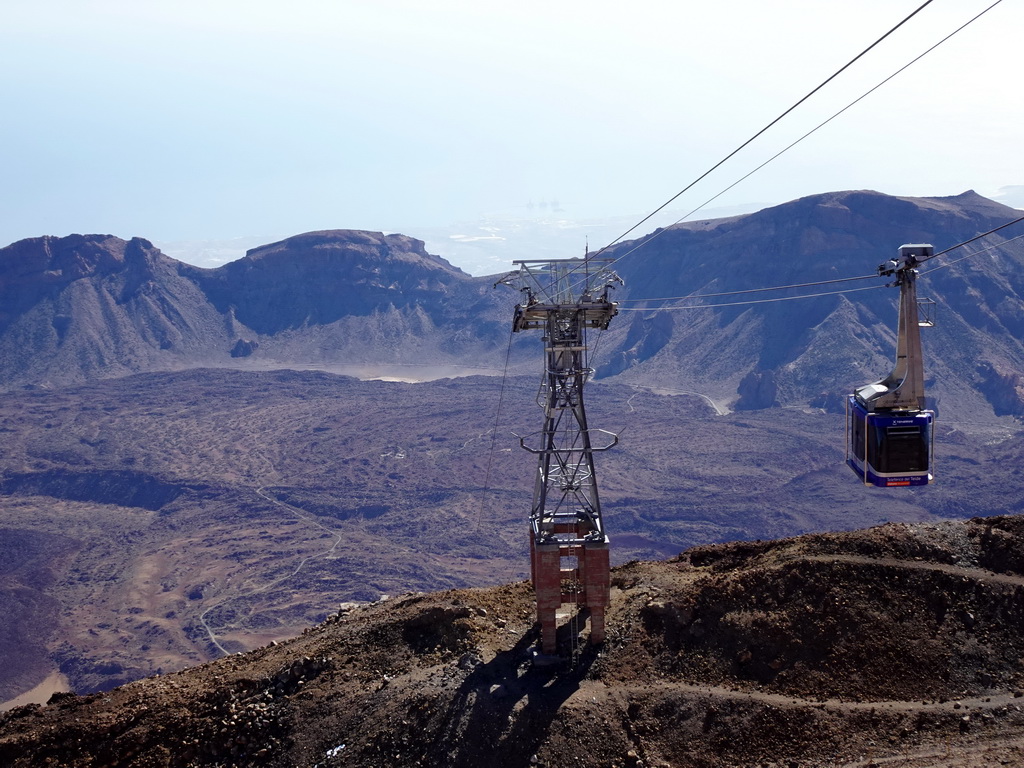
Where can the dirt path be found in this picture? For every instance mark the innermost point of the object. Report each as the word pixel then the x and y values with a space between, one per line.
pixel 55 683
pixel 270 585
pixel 720 410
pixel 595 688
pixel 270 472
pixel 998 751
pixel 979 574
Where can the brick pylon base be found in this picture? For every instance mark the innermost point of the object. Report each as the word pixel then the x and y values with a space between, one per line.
pixel 591 573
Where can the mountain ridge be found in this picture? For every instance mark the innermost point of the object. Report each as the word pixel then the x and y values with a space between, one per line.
pixel 95 306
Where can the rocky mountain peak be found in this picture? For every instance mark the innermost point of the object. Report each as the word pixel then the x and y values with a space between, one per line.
pixel 61 260
pixel 70 257
pixel 319 277
pixel 817 345
pixel 33 268
pixel 339 245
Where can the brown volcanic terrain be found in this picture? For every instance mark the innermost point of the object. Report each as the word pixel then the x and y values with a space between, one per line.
pixel 898 645
pixel 162 520
pixel 166 519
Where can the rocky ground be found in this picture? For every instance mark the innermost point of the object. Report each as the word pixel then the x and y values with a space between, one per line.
pixel 898 645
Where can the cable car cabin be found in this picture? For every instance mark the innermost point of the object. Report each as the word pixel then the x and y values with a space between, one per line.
pixel 889 448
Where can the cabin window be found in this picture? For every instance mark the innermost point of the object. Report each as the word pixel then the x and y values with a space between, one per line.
pixel 857 434
pixel 902 449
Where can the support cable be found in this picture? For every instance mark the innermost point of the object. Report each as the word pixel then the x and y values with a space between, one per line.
pixel 753 301
pixel 786 149
pixel 645 241
pixel 750 290
pixel 976 237
pixel 494 430
pixel 763 130
pixel 969 255
pixel 822 282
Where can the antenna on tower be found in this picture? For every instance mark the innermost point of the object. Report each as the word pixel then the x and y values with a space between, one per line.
pixel 569 549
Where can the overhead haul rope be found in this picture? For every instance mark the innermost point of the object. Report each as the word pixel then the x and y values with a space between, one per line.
pixel 746 303
pixel 742 146
pixel 973 239
pixel 806 135
pixel 750 290
pixel 645 241
pixel 969 255
pixel 757 135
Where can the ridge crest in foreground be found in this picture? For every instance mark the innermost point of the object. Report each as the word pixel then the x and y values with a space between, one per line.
pixel 900 641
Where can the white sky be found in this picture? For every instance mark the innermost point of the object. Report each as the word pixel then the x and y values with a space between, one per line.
pixel 202 119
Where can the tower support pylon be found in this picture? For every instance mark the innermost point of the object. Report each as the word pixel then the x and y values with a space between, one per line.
pixel 569 549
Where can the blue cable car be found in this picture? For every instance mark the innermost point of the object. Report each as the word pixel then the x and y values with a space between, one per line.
pixel 889 432
pixel 889 448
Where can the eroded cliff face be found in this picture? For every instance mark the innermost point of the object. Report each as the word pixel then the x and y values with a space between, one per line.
pixel 94 306
pixel 321 277
pixel 32 269
pixel 1004 388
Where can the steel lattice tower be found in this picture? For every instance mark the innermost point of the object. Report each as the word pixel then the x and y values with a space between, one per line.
pixel 568 545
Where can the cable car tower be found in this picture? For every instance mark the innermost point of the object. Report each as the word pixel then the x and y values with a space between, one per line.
pixel 889 430
pixel 569 558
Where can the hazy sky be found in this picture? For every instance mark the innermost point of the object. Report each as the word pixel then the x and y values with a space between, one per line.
pixel 221 118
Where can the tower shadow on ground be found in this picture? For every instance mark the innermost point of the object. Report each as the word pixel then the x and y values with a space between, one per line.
pixel 503 711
